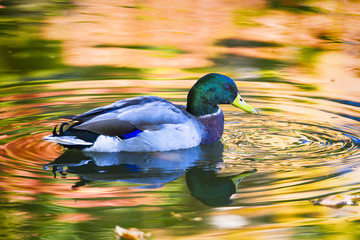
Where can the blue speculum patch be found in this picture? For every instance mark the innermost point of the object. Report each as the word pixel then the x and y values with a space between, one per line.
pixel 131 135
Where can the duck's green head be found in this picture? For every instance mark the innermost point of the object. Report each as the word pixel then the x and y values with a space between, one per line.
pixel 211 90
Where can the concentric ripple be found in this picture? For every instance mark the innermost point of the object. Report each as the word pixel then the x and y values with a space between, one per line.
pixel 294 159
pixel 267 142
pixel 269 139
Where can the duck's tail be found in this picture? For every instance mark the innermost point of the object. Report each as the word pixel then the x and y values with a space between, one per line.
pixel 68 138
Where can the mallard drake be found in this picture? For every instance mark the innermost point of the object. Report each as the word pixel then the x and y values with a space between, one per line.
pixel 149 123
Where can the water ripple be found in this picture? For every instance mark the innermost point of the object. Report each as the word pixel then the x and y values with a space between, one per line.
pixel 284 139
pixel 296 160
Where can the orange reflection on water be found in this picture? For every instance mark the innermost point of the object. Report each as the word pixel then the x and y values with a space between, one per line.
pixel 75 217
pixel 191 26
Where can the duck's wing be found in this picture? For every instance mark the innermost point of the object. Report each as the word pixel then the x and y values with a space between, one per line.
pixel 127 116
pixel 122 104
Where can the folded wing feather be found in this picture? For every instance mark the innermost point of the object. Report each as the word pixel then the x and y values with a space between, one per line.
pixel 123 117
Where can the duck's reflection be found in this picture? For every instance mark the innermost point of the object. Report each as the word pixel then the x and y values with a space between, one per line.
pixel 155 169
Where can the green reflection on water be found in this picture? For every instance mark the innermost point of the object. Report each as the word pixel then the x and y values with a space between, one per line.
pixel 168 49
pixel 231 42
pixel 296 6
pixel 244 17
pixel 24 56
pixel 28 55
pixel 22 51
pixel 308 56
pixel 40 218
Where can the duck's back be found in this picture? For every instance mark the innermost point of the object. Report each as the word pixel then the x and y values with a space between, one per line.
pixel 144 123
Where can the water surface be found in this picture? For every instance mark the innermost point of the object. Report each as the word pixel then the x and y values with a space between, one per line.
pixel 291 61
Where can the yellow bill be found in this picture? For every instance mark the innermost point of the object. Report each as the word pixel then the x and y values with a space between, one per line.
pixel 240 103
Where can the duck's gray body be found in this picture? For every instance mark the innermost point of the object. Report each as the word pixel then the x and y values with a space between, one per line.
pixel 157 125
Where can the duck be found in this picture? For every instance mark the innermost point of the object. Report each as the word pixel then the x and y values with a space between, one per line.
pixel 153 124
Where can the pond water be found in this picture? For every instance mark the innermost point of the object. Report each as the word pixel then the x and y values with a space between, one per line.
pixel 297 62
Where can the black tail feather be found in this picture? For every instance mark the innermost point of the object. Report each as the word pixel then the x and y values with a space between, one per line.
pixel 62 128
pixel 87 136
pixel 61 131
pixel 54 132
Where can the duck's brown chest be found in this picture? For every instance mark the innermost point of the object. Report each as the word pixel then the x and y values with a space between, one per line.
pixel 213 127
